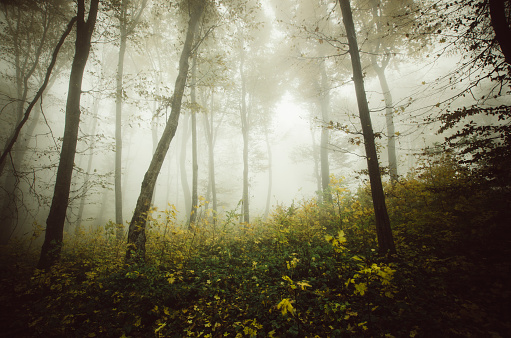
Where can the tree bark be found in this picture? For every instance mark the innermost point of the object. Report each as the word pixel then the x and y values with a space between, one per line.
pixel 50 252
pixel 383 229
pixel 501 27
pixel 136 233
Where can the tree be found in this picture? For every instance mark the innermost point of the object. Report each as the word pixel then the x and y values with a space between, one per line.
pixel 383 230
pixel 30 31
pixel 245 128
pixel 52 246
pixel 136 232
pixel 126 28
pixel 480 135
pixel 195 166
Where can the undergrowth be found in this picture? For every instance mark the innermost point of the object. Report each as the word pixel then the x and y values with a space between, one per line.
pixel 309 270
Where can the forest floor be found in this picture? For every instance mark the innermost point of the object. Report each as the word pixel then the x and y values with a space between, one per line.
pixel 307 271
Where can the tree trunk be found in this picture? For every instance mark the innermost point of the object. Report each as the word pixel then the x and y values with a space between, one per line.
pixel 52 245
pixel 325 116
pixel 387 96
pixel 210 137
pixel 389 119
pixel 383 230
pixel 315 151
pixel 118 124
pixel 270 175
pixel 182 167
pixel 501 27
pixel 136 233
pixel 195 166
pixel 244 131
pixel 86 183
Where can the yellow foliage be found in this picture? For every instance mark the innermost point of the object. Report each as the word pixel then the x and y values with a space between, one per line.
pixel 285 306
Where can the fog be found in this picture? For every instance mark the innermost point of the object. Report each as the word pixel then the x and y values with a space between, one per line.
pixel 284 48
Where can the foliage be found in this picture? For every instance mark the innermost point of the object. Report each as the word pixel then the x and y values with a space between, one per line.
pixel 483 146
pixel 309 271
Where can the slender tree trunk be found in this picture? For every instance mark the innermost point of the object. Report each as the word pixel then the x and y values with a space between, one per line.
pixel 387 95
pixel 270 175
pixel 86 183
pixel 136 234
pixel 245 131
pixel 325 115
pixel 182 165
pixel 209 127
pixel 383 229
pixel 118 122
pixel 195 166
pixel 315 151
pixel 389 119
pixel 52 245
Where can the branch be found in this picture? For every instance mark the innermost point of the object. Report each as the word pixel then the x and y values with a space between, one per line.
pixel 39 92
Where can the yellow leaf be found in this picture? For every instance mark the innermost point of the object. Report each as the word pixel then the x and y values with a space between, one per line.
pixel 138 322
pixel 286 278
pixel 285 306
pixel 303 284
pixel 360 288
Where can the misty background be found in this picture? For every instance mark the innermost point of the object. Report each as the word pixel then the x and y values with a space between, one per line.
pixel 300 102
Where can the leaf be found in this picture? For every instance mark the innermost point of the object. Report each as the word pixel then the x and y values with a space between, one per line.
pixel 285 306
pixel 138 322
pixel 303 284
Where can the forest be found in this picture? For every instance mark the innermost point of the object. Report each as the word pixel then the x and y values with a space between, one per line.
pixel 255 168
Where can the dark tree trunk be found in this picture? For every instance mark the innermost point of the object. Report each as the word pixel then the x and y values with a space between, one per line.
pixel 52 245
pixel 383 230
pixel 136 233
pixel 501 26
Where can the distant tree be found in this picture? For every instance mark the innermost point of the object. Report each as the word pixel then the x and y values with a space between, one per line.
pixel 195 165
pixel 136 233
pixel 383 229
pixel 129 16
pixel 52 245
pixel 245 128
